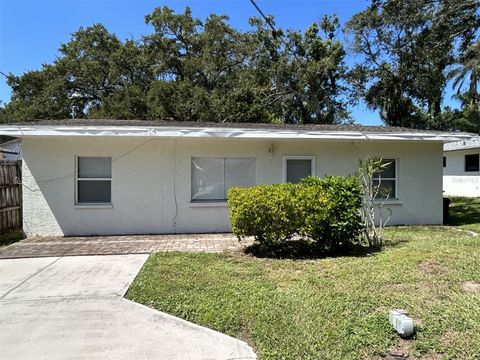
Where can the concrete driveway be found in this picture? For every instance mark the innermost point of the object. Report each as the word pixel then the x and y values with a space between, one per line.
pixel 73 308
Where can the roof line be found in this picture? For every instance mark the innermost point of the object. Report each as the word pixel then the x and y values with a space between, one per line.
pixel 228 132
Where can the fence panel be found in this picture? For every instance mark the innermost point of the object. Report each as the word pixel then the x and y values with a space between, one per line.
pixel 10 195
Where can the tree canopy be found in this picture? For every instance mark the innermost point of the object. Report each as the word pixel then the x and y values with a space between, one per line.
pixel 189 69
pixel 407 53
pixel 408 49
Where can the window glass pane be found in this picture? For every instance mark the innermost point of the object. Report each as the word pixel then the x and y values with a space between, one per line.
pixel 472 162
pixel 94 167
pixel 239 172
pixel 94 191
pixel 386 190
pixel 208 179
pixel 388 171
pixel 297 169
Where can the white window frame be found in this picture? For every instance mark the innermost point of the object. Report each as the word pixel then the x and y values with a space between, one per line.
pixel 77 179
pixel 216 202
pixel 297 157
pixel 390 179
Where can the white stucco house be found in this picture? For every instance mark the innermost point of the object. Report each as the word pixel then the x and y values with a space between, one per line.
pixel 11 150
pixel 461 168
pixel 84 177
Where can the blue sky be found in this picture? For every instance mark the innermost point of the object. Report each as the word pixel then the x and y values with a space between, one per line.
pixel 31 31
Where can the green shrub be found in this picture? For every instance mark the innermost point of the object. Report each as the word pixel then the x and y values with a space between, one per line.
pixel 323 210
pixel 266 212
pixel 332 210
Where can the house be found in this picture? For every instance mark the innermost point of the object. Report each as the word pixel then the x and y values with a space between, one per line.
pixel 144 177
pixel 11 150
pixel 461 170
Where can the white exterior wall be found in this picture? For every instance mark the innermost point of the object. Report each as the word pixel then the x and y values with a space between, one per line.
pixel 151 181
pixel 457 181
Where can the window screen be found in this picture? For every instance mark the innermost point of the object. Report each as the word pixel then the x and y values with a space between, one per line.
pixel 386 180
pixel 472 162
pixel 212 177
pixel 298 169
pixel 94 180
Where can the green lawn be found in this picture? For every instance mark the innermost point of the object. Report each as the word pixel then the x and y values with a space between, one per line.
pixel 10 237
pixel 331 308
pixel 465 212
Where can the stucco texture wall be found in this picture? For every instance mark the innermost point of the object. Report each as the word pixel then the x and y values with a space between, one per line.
pixel 151 181
pixel 457 181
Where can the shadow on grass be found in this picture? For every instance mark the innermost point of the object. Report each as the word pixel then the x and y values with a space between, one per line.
pixel 10 237
pixel 304 249
pixel 464 211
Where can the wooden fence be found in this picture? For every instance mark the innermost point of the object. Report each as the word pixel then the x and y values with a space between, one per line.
pixel 10 195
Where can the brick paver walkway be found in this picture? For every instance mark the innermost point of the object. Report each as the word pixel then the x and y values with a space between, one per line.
pixel 117 245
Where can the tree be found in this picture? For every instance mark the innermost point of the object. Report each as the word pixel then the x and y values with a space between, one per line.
pixel 312 74
pixel 468 71
pixel 189 69
pixel 407 48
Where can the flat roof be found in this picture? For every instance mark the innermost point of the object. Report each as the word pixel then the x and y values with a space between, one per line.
pixel 176 129
pixel 473 143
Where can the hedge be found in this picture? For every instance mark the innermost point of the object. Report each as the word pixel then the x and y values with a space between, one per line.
pixel 324 210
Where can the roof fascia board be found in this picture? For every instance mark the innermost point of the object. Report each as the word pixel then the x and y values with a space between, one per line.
pixel 239 133
pixel 468 148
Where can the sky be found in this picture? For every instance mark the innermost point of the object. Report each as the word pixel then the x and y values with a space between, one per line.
pixel 31 31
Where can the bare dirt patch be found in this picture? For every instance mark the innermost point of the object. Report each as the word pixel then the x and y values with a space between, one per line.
pixel 402 350
pixel 471 286
pixel 431 267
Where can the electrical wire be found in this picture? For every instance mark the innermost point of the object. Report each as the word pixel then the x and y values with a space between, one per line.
pixel 276 33
pixel 71 175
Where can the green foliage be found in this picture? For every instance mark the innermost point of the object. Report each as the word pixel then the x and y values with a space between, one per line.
pixel 330 308
pixel 466 119
pixel 373 200
pixel 266 212
pixel 323 210
pixel 330 208
pixel 195 69
pixel 408 48
pixel 189 69
pixel 11 236
pixel 465 212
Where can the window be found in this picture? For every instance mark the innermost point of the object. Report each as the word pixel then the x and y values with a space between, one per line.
pixel 386 180
pixel 472 162
pixel 444 161
pixel 295 168
pixel 94 180
pixel 212 177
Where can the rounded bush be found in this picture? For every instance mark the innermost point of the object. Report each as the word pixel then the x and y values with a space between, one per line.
pixel 325 211
pixel 266 212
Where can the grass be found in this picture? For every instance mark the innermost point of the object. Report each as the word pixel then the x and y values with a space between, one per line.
pixel 10 237
pixel 465 212
pixel 331 308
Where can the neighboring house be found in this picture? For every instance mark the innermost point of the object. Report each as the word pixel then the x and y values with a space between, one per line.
pixel 83 177
pixel 461 168
pixel 11 150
